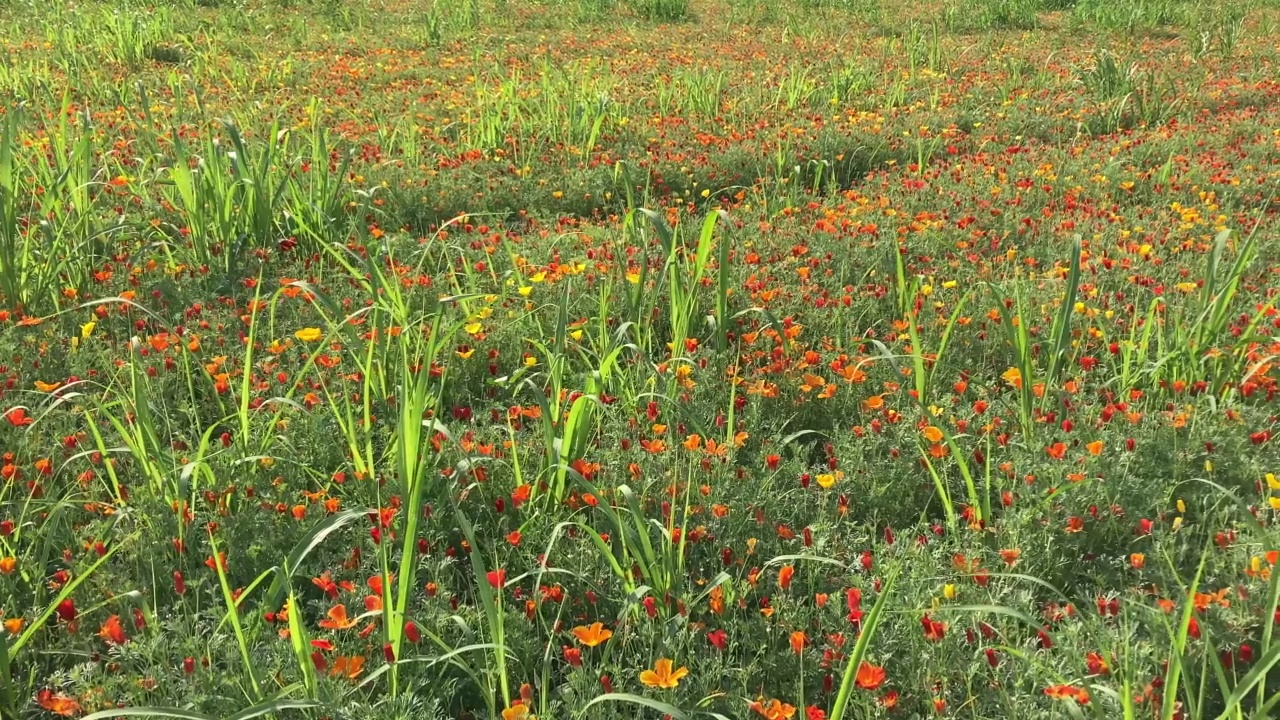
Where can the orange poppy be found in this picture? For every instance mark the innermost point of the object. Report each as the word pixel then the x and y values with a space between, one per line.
pixel 653 446
pixel 337 619
pixel 518 711
pixel 785 575
pixel 1068 692
pixel 349 666
pixel 717 600
pixel 798 641
pixel 774 710
pixel 58 703
pixel 112 632
pixel 593 635
pixel 869 677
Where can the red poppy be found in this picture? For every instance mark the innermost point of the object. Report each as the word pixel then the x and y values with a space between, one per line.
pixel 933 630
pixel 112 632
pixel 572 655
pixel 67 610
pixel 718 638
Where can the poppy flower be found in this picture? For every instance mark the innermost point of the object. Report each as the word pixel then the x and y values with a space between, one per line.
pixel 309 335
pixel 67 610
pixel 517 711
pixel 1068 692
pixel 349 666
pixel 773 710
pixel 336 619
pixel 853 601
pixel 933 630
pixel 58 703
pixel 650 606
pixel 785 575
pixel 325 583
pixel 1013 376
pixel 1044 639
pixel 219 564
pixel 662 676
pixel 869 677
pixel 828 480
pixel 798 641
pixel 656 445
pixel 718 638
pixel 112 632
pixel 593 635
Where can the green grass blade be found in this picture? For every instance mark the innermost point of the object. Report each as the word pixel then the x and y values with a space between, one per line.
pixel 871 623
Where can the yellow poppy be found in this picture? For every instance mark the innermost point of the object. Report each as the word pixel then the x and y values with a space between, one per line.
pixel 662 676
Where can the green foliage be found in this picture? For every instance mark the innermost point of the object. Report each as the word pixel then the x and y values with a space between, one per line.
pixel 661 10
pixel 361 357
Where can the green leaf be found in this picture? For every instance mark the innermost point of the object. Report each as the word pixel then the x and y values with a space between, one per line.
pixel 304 547
pixel 1257 674
pixel 658 705
pixel 66 592
pixel 273 707
pixel 870 624
pixel 992 609
pixel 162 712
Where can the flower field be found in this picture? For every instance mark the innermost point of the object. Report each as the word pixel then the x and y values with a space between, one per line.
pixel 505 359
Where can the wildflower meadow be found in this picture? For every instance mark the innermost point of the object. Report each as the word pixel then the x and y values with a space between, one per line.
pixel 610 359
